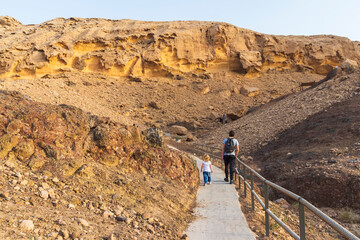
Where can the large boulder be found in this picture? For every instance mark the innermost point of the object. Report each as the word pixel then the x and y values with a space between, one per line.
pixel 213 115
pixel 109 160
pixel 24 150
pixel 249 91
pixel 205 90
pixel 7 142
pixel 27 225
pixel 236 114
pixel 250 60
pixel 225 94
pixel 349 66
pixel 190 138
pixel 37 161
pixel 154 136
pixel 154 105
pixel 179 130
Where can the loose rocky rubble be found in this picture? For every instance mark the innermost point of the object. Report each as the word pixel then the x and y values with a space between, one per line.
pixel 101 198
pixel 320 154
pixel 266 123
pixel 27 213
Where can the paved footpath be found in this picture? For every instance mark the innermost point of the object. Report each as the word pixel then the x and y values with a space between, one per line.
pixel 218 212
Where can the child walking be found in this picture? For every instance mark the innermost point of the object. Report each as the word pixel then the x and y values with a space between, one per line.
pixel 206 168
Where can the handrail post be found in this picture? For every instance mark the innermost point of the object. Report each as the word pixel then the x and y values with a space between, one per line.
pixel 222 161
pixel 302 221
pixel 239 169
pixel 252 194
pixel 236 173
pixel 267 225
pixel 244 182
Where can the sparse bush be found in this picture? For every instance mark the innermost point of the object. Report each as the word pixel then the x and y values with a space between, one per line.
pixel 349 216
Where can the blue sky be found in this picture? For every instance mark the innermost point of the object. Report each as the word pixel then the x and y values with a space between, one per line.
pixel 280 17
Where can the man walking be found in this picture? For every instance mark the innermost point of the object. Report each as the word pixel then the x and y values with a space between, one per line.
pixel 230 150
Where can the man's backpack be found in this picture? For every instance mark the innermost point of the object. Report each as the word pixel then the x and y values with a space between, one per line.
pixel 229 146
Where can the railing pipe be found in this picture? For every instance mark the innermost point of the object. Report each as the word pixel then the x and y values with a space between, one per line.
pixel 259 200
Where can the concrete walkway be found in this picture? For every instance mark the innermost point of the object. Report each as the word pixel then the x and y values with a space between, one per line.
pixel 218 212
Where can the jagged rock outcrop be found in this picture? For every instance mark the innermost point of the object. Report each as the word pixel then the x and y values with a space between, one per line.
pixel 137 48
pixel 63 139
pixel 6 22
pixel 349 66
pixel 154 136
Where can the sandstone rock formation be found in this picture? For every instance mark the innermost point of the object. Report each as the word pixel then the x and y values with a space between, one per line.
pixel 349 66
pixel 137 49
pixel 178 130
pixel 8 22
pixel 249 91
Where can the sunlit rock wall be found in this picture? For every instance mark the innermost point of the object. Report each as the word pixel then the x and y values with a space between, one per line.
pixel 149 49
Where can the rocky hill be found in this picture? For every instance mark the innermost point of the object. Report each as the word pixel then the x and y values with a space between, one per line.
pixel 68 173
pixel 306 142
pixel 161 73
pixel 69 150
pixel 153 49
pixel 265 123
pixel 320 154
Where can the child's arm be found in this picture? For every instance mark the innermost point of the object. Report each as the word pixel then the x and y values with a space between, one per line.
pixel 211 168
pixel 202 166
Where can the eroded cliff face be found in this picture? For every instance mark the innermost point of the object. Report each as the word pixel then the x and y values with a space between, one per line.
pixel 150 49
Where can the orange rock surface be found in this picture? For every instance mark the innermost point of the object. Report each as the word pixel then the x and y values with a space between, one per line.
pixel 149 49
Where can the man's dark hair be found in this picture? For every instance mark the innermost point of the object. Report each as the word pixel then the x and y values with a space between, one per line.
pixel 231 133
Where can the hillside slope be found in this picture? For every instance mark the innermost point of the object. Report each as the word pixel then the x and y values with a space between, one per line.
pixel 266 123
pixel 59 165
pixel 307 142
pixel 319 155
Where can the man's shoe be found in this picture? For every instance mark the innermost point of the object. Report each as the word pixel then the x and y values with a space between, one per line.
pixel 226 179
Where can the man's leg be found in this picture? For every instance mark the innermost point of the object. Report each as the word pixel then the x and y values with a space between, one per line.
pixel 226 162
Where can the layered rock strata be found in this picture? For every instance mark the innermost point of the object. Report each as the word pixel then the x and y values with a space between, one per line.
pixel 149 49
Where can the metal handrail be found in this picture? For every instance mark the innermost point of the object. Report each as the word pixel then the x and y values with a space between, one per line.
pixel 302 202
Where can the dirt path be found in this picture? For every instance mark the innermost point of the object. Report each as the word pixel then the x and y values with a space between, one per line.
pixel 218 211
